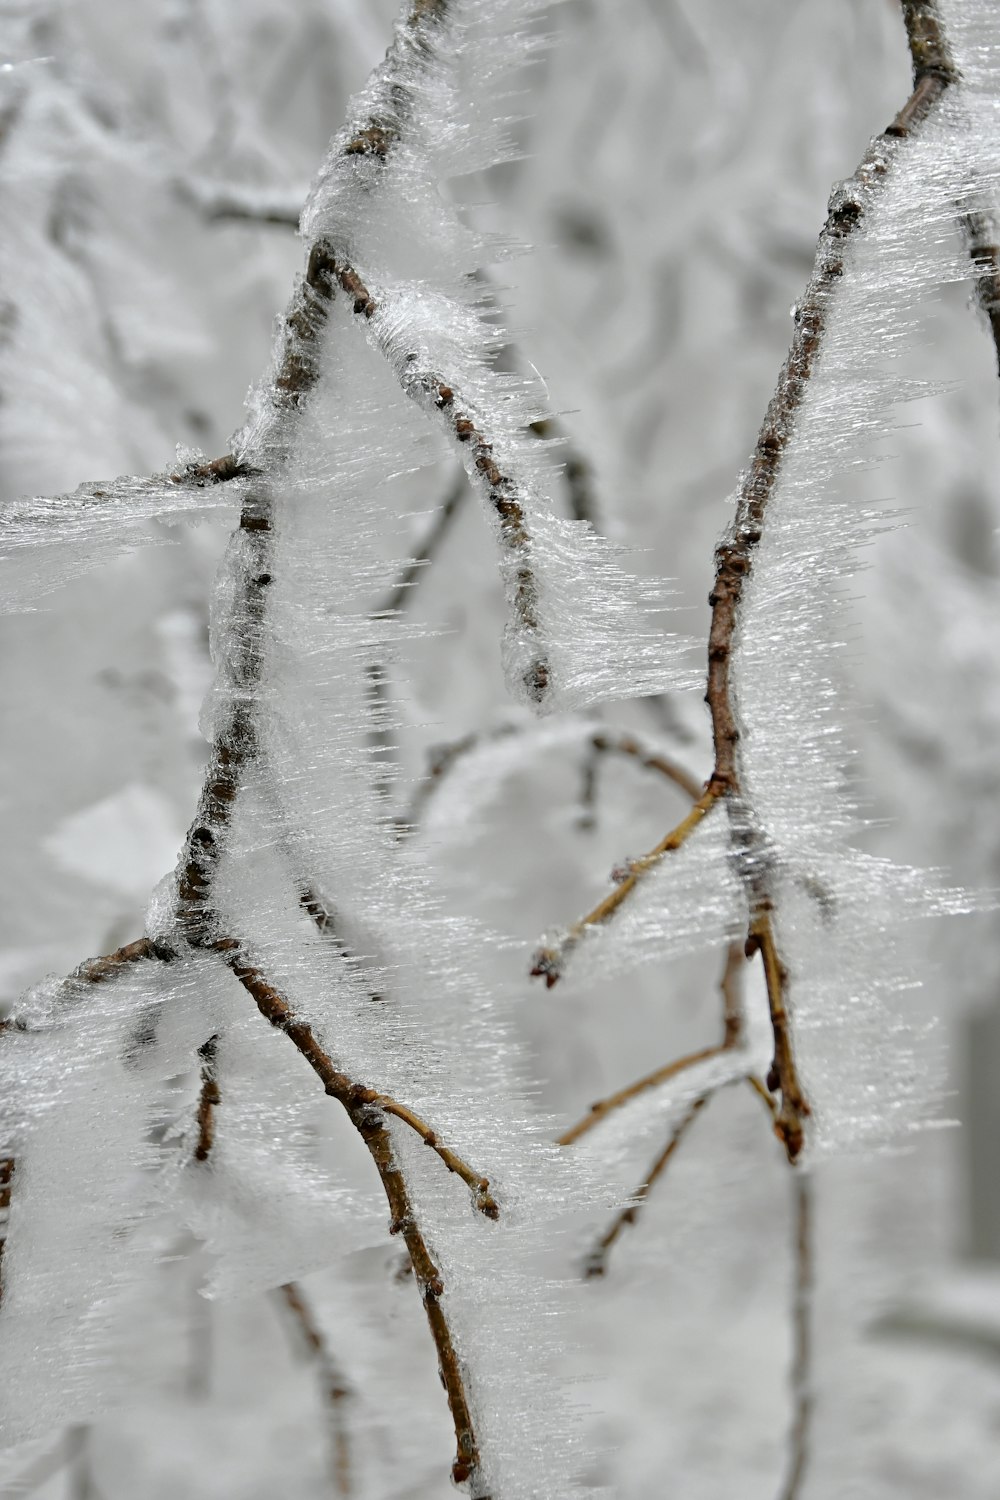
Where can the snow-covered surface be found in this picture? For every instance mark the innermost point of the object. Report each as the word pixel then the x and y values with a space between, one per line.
pixel 671 164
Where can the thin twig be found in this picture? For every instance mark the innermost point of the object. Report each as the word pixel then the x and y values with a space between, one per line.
pixel 801 1373
pixel 850 205
pixel 596 1262
pixel 208 1099
pixel 353 1096
pixel 337 1388
pixel 548 962
pixel 733 1022
pixel 654 1080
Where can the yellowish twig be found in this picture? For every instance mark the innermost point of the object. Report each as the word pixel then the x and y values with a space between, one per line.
pixel 548 962
pixel 355 1097
pixel 605 1107
pixel 596 1263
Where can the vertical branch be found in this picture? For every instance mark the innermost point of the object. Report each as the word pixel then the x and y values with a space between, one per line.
pixel 801 1374
pixel 376 1136
pixel 208 1099
pixel 928 44
pixel 6 1178
pixel 337 1388
pixel 735 558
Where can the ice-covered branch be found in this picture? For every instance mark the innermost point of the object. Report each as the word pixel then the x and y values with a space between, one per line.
pixel 355 1097
pixel 753 858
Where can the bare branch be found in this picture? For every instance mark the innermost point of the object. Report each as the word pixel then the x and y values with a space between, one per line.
pixel 733 1021
pixel 801 1374
pixel 596 1263
pixel 337 1388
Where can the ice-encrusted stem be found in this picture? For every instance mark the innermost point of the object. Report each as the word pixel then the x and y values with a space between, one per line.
pixel 347 1091
pixel 367 1111
pixel 850 205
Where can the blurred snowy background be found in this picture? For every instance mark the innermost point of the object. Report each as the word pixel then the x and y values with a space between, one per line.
pixel 677 162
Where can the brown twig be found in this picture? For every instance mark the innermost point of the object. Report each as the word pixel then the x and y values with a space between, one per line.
pixel 353 1096
pixel 548 962
pixel 654 1080
pixel 337 1388
pixel 734 561
pixel 596 1262
pixel 732 1012
pixel 208 1099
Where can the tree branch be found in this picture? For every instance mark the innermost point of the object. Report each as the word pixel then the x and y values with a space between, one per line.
pixel 337 1387
pixel 801 1374
pixel 734 561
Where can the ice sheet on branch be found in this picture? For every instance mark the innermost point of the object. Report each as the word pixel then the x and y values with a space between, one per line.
pixel 838 912
pixel 47 540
